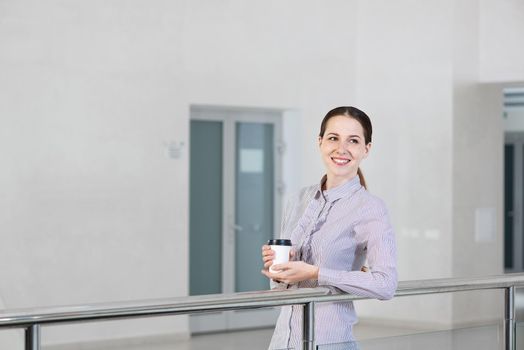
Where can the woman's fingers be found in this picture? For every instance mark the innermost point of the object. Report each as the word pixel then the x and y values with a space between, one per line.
pixel 266 250
pixel 268 274
pixel 268 255
pixel 268 263
pixel 281 267
pixel 271 276
pixel 277 276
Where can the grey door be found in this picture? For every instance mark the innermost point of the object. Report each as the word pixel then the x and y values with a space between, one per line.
pixel 514 202
pixel 234 207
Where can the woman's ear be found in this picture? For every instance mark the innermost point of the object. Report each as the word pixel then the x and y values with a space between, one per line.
pixel 368 148
pixel 319 141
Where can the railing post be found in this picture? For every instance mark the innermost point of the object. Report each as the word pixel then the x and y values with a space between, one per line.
pixel 509 319
pixel 308 326
pixel 32 337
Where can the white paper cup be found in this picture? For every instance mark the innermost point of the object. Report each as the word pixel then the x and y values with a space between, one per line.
pixel 281 247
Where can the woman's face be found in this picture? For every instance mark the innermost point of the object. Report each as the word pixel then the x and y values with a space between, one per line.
pixel 342 149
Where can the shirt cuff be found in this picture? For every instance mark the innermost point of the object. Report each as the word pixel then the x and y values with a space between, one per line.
pixel 328 277
pixel 277 285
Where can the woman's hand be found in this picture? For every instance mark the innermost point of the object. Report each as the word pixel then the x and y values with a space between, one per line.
pixel 268 255
pixel 292 272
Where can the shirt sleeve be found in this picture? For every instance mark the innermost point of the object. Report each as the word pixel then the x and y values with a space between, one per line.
pixel 376 234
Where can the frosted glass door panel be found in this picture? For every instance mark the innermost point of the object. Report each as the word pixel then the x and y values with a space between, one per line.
pixel 254 184
pixel 205 219
pixel 509 190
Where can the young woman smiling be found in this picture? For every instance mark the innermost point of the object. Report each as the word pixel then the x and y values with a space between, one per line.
pixel 334 227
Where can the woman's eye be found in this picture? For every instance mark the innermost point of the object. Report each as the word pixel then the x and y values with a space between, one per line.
pixel 332 138
pixel 353 141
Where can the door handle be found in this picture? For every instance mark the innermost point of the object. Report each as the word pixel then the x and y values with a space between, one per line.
pixel 232 225
pixel 236 227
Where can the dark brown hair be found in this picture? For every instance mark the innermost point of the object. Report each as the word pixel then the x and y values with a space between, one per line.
pixel 360 117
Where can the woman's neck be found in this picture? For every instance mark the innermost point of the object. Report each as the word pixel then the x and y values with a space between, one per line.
pixel 335 182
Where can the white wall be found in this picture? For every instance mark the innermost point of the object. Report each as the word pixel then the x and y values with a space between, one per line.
pixel 92 208
pixel 501 24
pixel 477 172
pixel 404 82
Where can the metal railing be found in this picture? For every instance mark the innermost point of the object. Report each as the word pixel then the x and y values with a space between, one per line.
pixel 33 319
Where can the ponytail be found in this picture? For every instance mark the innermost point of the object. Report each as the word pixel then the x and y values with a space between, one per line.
pixel 361 177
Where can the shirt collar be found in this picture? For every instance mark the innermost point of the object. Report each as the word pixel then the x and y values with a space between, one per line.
pixel 347 188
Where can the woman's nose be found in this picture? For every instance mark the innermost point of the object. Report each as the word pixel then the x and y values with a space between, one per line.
pixel 341 147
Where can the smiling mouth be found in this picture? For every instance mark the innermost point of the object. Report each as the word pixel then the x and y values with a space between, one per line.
pixel 340 161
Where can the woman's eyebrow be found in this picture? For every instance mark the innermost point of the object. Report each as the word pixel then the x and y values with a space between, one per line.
pixel 349 136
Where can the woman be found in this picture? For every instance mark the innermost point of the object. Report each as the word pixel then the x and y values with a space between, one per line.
pixel 334 227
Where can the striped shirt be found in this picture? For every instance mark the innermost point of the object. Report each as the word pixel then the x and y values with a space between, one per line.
pixel 337 230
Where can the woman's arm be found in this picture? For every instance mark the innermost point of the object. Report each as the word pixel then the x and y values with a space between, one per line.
pixel 380 281
pixel 292 272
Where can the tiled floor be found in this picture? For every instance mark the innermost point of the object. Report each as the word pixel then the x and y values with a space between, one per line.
pixel 371 337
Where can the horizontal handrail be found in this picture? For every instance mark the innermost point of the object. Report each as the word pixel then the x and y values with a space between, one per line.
pixel 221 302
pixel 156 307
pixel 442 285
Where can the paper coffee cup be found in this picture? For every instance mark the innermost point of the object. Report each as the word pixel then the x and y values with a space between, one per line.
pixel 281 247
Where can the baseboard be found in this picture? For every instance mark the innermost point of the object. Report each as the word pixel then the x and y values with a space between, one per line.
pixel 424 325
pixel 123 343
pixel 421 326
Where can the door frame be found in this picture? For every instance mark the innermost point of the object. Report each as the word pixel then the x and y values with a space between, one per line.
pixel 229 116
pixel 517 140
